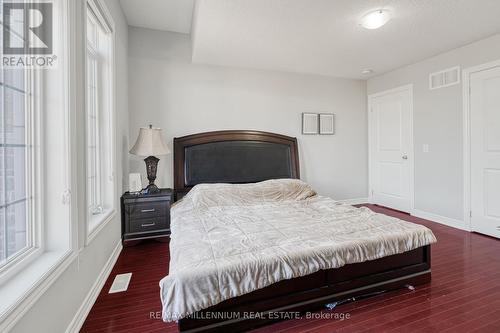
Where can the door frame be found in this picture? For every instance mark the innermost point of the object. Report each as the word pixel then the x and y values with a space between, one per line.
pixel 466 74
pixel 411 155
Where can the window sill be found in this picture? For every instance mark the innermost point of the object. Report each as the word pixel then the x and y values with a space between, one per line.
pixel 20 293
pixel 18 263
pixel 97 222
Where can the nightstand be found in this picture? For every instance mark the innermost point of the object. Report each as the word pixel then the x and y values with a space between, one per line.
pixel 146 216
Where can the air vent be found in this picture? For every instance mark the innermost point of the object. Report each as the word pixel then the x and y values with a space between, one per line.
pixel 446 78
pixel 120 283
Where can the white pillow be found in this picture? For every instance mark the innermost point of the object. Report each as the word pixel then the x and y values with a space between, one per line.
pixel 275 190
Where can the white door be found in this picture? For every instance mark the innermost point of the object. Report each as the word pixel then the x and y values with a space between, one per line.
pixel 391 151
pixel 485 151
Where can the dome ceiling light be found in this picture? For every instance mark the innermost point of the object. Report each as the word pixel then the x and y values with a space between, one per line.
pixel 376 19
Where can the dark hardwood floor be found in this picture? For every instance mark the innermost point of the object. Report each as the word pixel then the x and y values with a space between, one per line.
pixel 464 295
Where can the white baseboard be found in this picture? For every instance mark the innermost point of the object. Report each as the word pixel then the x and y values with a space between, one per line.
pixel 440 219
pixel 355 201
pixel 78 320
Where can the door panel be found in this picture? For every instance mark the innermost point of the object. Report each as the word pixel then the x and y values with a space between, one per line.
pixel 492 200
pixel 390 139
pixel 389 124
pixel 390 178
pixel 485 151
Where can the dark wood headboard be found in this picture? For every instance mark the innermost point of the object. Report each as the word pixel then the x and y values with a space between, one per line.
pixel 233 157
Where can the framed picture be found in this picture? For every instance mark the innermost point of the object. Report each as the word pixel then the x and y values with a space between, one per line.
pixel 310 123
pixel 326 124
pixel 134 182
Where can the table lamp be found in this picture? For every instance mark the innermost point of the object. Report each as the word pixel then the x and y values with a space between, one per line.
pixel 150 143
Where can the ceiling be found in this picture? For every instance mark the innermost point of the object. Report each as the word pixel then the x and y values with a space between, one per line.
pixel 168 15
pixel 318 36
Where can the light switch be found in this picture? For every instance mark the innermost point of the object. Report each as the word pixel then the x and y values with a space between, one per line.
pixel 425 148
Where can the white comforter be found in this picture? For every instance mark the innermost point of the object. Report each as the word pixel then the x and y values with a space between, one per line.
pixel 229 240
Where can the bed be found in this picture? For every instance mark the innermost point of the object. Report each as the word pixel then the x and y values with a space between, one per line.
pixel 252 244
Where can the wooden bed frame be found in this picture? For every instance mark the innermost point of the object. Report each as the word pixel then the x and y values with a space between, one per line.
pixel 252 156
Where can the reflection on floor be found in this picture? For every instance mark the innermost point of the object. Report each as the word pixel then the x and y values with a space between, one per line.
pixel 464 294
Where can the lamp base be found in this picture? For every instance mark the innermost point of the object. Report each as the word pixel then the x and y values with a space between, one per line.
pixel 151 167
pixel 152 188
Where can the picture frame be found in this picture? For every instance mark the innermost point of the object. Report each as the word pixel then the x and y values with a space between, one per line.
pixel 327 123
pixel 310 123
pixel 135 182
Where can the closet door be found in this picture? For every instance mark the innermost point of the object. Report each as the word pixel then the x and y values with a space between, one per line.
pixel 485 151
pixel 390 149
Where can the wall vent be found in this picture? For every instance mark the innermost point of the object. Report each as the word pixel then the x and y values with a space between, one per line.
pixel 445 78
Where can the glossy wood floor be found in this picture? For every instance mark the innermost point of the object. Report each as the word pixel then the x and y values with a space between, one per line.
pixel 464 295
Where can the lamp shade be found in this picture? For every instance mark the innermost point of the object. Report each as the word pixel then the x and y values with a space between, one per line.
pixel 150 142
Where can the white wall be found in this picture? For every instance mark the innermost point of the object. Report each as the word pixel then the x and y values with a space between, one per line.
pixel 56 308
pixel 168 91
pixel 438 122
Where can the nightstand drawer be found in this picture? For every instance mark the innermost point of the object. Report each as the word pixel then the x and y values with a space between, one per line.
pixel 148 210
pixel 145 216
pixel 151 224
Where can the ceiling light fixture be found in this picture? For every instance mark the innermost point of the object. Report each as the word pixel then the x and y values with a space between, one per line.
pixel 367 71
pixel 376 19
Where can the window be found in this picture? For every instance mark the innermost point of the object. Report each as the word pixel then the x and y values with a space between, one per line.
pixel 93 143
pixel 99 118
pixel 15 148
pixel 16 163
pixel 38 167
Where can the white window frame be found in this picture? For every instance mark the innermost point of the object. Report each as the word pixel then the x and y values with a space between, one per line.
pixel 93 54
pixel 95 223
pixel 34 163
pixel 55 237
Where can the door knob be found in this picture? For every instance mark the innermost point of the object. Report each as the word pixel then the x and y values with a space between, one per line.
pixel 404 157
